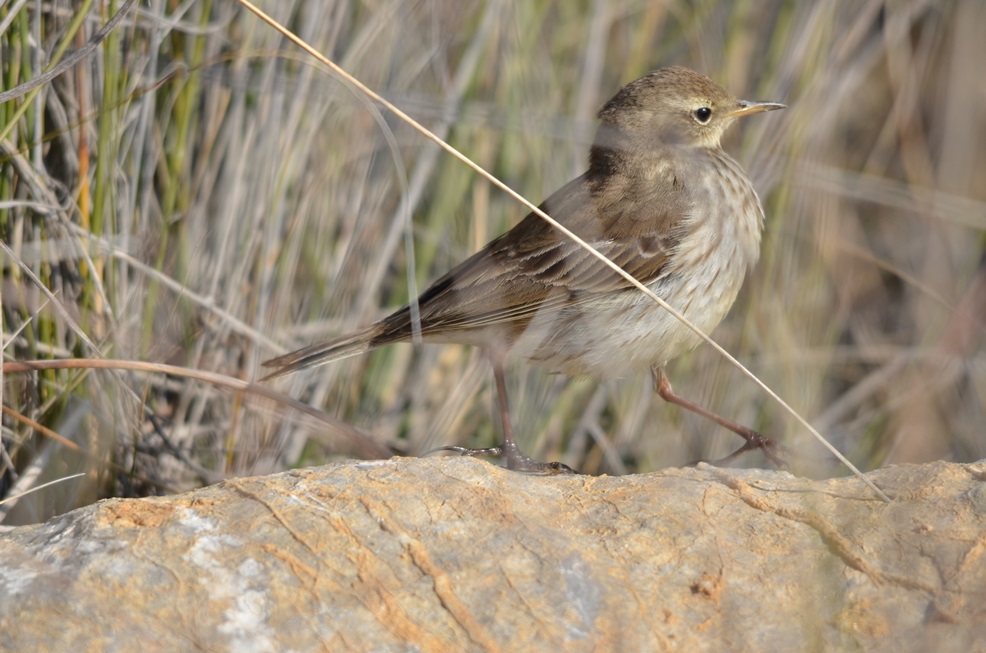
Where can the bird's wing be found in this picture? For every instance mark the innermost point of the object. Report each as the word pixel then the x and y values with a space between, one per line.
pixel 534 268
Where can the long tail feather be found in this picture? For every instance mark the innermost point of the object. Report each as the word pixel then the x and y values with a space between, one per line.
pixel 322 353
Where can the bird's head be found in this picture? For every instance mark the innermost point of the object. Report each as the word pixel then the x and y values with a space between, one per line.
pixel 671 106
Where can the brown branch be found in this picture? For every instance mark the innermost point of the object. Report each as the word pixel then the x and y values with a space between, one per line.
pixel 368 447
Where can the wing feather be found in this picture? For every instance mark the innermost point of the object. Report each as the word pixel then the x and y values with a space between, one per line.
pixel 534 268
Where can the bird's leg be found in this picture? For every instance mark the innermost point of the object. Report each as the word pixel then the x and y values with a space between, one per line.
pixel 772 450
pixel 517 460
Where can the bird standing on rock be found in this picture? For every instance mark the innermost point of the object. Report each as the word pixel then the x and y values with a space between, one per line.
pixel 662 200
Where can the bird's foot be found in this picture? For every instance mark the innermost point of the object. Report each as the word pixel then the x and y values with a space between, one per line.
pixel 776 453
pixel 516 460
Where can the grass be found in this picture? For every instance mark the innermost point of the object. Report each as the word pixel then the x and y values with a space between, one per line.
pixel 199 193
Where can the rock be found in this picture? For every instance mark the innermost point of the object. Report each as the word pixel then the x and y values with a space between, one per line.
pixel 448 554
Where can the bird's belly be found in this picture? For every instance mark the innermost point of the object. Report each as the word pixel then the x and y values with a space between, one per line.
pixel 628 332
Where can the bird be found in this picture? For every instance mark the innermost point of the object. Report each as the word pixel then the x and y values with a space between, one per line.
pixel 662 200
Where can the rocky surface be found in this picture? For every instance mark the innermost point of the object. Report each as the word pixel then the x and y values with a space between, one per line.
pixel 457 554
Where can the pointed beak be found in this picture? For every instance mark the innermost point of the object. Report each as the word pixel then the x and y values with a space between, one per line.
pixel 747 108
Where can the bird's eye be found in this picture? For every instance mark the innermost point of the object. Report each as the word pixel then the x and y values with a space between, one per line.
pixel 702 115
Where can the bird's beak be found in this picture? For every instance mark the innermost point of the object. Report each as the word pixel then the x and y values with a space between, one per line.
pixel 746 108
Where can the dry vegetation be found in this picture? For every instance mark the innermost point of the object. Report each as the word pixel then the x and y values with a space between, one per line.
pixel 197 192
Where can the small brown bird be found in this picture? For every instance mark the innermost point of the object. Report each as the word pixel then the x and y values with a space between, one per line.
pixel 662 200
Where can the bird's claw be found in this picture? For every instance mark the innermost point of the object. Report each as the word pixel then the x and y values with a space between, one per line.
pixel 516 461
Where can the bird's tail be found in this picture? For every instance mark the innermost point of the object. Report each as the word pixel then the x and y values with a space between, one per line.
pixel 323 352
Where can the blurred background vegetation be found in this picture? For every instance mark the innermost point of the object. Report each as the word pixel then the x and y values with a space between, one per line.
pixel 198 192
